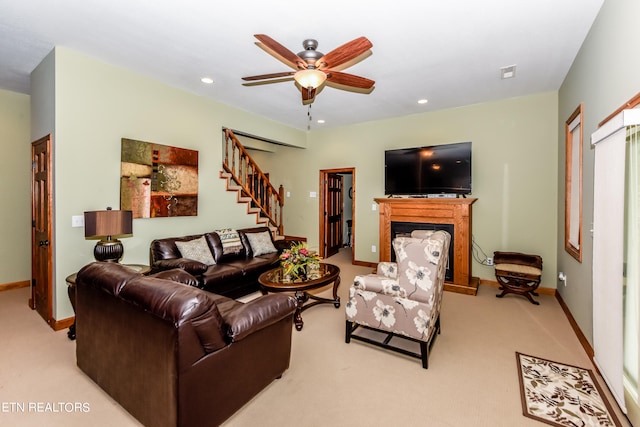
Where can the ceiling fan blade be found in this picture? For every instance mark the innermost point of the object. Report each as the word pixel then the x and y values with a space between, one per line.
pixel 269 76
pixel 345 79
pixel 268 82
pixel 308 95
pixel 344 53
pixel 351 62
pixel 280 52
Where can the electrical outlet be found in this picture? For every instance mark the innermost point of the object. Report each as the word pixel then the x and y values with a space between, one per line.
pixel 489 261
pixel 563 278
pixel 373 248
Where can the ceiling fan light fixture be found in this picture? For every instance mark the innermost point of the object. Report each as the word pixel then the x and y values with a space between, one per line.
pixel 310 79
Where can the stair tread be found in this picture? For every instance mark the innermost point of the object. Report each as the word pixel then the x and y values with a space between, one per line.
pixel 232 185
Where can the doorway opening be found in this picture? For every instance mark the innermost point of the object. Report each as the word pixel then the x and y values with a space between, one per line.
pixel 337 211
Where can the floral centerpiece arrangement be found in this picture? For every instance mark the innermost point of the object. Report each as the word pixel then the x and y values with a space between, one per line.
pixel 296 260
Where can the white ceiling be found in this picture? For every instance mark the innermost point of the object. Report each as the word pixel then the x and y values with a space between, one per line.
pixel 448 51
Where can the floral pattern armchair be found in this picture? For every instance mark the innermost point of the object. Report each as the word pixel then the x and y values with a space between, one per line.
pixel 402 299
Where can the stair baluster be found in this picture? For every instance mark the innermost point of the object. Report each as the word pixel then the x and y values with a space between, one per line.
pixel 253 184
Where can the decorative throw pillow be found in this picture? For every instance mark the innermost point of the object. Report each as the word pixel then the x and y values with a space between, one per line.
pixel 230 240
pixel 197 250
pixel 261 243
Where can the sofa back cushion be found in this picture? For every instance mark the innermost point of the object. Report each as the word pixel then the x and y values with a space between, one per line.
pixel 183 306
pixel 177 275
pixel 108 276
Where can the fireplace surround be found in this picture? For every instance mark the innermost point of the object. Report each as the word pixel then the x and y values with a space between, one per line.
pixel 436 212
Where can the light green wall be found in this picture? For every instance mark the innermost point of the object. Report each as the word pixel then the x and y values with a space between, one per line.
pixel 43 98
pixel 514 163
pixel 604 75
pixel 99 104
pixel 95 106
pixel 514 174
pixel 15 187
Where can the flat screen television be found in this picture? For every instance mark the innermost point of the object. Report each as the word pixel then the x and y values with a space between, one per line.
pixel 421 171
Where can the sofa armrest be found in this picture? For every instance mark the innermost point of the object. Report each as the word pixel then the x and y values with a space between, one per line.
pixel 180 305
pixel 190 266
pixel 286 243
pixel 376 283
pixel 387 269
pixel 258 314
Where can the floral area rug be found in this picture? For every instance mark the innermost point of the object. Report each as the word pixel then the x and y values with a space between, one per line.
pixel 562 395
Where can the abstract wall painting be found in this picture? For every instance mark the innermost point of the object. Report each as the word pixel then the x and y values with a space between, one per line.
pixel 158 180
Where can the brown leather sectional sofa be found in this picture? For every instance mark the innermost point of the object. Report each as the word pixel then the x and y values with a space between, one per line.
pixel 233 275
pixel 172 354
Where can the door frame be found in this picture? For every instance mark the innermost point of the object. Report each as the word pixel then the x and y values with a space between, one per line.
pixel 324 173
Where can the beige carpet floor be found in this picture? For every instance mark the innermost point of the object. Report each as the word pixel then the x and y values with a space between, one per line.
pixel 472 378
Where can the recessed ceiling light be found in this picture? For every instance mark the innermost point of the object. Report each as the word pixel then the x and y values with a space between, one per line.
pixel 423 101
pixel 508 72
pixel 320 121
pixel 207 80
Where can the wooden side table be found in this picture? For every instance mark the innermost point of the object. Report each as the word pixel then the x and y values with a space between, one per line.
pixel 71 290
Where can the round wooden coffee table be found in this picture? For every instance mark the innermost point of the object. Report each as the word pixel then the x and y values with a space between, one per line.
pixel 274 280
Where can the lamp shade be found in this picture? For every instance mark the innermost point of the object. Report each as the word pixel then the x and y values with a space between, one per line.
pixel 107 223
pixel 310 78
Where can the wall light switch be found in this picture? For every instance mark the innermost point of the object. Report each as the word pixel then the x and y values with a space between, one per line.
pixel 313 194
pixel 77 221
pixel 374 206
pixel 288 194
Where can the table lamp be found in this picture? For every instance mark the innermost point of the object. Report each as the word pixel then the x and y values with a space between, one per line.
pixel 108 224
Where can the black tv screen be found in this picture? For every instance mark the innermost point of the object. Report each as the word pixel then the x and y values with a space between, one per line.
pixel 437 169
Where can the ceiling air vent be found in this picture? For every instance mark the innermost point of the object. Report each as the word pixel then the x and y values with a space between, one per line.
pixel 508 72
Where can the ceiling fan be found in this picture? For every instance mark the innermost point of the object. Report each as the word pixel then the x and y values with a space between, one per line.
pixel 314 69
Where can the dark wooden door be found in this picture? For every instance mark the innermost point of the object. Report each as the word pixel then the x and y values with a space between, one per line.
pixel 41 203
pixel 333 213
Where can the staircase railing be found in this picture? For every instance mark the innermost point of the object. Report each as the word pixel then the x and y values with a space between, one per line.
pixel 246 173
